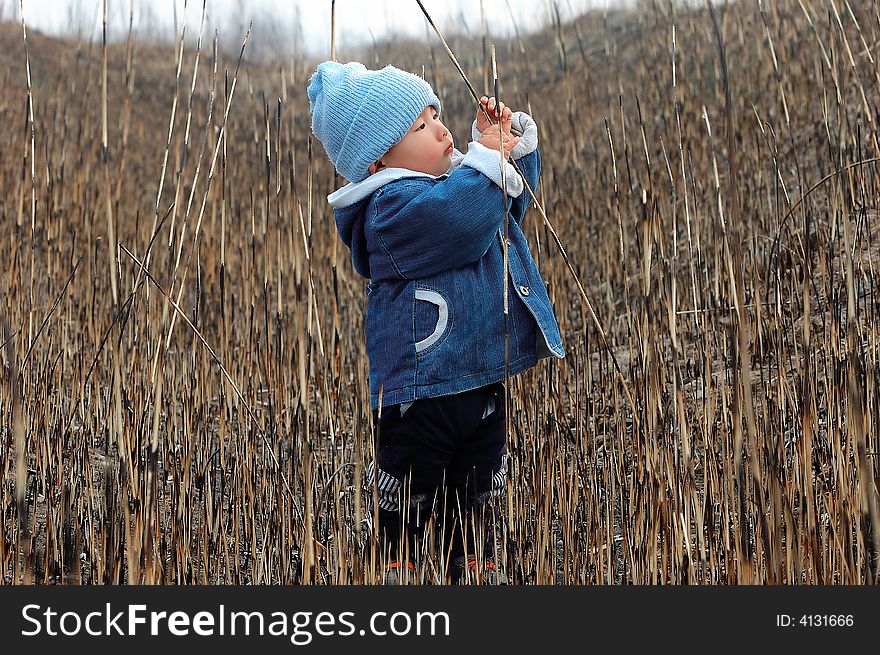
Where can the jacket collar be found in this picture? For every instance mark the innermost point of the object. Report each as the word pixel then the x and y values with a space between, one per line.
pixel 356 191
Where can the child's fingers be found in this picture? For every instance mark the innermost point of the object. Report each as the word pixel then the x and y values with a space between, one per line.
pixel 493 107
pixel 496 109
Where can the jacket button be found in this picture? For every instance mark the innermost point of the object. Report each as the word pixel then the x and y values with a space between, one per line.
pixel 523 289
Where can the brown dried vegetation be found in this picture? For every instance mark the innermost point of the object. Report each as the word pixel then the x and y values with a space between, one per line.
pixel 713 181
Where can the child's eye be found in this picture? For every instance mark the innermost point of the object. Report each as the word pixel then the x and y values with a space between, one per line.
pixel 420 127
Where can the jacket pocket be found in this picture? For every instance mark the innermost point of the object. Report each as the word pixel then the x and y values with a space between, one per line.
pixel 427 301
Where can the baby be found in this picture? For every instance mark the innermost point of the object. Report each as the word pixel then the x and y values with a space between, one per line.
pixel 425 224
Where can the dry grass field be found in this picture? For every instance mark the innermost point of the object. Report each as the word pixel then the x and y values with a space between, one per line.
pixel 184 385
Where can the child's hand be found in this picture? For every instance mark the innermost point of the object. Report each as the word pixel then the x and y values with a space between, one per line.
pixel 494 110
pixel 491 138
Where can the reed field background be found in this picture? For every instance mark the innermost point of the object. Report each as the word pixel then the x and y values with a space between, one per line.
pixel 184 387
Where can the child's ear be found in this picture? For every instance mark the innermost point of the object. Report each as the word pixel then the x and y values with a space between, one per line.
pixel 376 167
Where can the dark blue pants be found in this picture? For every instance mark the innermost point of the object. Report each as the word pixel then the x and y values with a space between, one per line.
pixel 444 456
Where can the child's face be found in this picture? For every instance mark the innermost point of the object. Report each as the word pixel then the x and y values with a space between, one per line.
pixel 426 148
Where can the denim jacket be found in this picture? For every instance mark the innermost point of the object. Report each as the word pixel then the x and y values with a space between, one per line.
pixel 432 249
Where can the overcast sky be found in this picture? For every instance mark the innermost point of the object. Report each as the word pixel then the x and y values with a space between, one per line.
pixel 356 21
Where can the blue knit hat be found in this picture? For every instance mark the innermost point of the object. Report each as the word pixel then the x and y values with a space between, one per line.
pixel 359 114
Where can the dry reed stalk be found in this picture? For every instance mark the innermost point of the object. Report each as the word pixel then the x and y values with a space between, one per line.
pixel 32 130
pixel 480 538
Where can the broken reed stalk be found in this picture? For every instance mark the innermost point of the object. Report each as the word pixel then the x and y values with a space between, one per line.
pixel 540 208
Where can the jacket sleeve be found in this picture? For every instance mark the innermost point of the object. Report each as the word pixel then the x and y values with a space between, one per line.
pixel 527 158
pixel 425 227
pixel 530 167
